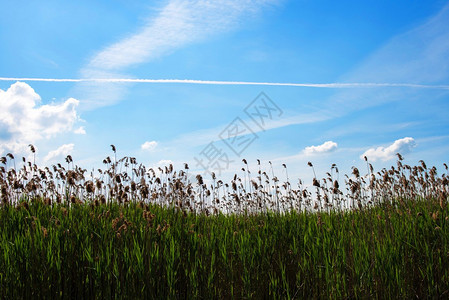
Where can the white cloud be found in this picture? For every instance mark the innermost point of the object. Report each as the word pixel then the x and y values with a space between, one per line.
pixel 164 162
pixel 61 152
pixel 24 121
pixel 149 146
pixel 80 130
pixel 178 23
pixel 331 85
pixel 326 147
pixel 401 146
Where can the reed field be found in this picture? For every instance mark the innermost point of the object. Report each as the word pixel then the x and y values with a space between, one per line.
pixel 126 231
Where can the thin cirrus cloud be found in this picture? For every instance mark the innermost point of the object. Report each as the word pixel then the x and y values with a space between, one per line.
pixel 60 152
pixel 401 146
pixel 326 147
pixel 23 120
pixel 177 24
pixel 419 57
pixel 205 136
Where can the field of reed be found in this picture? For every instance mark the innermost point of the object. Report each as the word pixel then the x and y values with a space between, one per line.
pixel 130 232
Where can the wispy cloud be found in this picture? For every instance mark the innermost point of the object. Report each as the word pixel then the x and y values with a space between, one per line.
pixel 419 57
pixel 401 146
pixel 415 59
pixel 356 127
pixel 177 24
pixel 336 85
pixel 205 136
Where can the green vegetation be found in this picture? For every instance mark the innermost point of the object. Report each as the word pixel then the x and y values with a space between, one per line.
pixel 156 234
pixel 116 251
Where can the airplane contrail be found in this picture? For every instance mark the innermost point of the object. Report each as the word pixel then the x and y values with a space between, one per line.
pixel 218 82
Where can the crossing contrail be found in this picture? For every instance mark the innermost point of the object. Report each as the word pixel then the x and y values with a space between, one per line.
pixel 218 82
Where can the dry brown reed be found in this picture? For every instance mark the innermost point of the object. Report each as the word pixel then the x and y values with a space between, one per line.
pixel 125 180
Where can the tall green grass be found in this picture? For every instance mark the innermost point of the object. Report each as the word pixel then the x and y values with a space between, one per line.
pixel 126 231
pixel 62 251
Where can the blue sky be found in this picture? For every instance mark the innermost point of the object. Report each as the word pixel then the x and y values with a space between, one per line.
pixel 349 47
